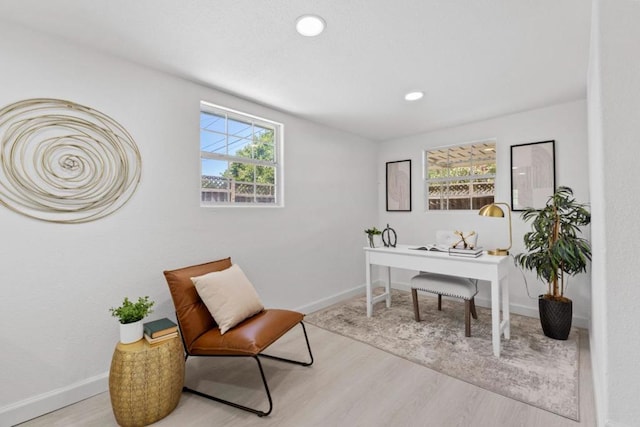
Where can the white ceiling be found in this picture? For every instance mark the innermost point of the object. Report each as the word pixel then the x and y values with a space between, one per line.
pixel 474 59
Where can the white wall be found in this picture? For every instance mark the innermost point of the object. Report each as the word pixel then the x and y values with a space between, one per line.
pixel 565 123
pixel 597 338
pixel 614 129
pixel 58 281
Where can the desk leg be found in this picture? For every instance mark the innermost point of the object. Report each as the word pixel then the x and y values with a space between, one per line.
pixel 495 316
pixel 505 309
pixel 388 287
pixel 368 286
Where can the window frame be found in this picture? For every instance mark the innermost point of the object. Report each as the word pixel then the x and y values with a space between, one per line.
pixel 449 178
pixel 277 163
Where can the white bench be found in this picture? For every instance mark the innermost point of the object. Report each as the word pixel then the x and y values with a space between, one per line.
pixel 451 286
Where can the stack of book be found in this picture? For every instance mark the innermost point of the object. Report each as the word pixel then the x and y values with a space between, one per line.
pixel 473 253
pixel 160 330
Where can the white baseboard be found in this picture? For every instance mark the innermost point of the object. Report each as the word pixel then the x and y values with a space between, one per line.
pixel 44 403
pixel 326 302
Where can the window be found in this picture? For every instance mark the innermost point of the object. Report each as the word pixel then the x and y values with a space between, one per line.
pixel 460 177
pixel 241 159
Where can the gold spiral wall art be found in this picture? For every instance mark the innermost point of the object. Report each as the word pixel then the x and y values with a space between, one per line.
pixel 64 162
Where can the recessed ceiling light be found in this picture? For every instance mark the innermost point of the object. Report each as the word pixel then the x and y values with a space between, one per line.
pixel 413 96
pixel 310 25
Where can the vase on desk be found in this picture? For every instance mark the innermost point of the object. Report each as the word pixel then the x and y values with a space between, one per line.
pixel 374 240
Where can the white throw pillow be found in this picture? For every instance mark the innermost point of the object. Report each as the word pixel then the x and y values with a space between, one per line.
pixel 229 296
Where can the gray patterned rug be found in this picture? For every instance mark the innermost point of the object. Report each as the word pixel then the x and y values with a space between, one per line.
pixel 532 368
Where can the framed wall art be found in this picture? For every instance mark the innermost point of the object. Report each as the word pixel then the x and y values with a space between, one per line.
pixel 399 186
pixel 533 174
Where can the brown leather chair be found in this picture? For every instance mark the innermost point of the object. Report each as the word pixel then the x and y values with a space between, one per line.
pixel 201 335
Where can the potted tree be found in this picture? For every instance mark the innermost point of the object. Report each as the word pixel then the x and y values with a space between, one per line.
pixel 554 251
pixel 130 315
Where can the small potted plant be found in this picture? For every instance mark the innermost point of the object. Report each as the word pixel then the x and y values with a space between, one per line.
pixel 371 232
pixel 555 250
pixel 130 315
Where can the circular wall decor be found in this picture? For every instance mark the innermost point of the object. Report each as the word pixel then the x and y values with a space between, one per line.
pixel 64 162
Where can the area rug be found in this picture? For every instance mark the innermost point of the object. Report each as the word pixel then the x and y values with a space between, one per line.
pixel 532 368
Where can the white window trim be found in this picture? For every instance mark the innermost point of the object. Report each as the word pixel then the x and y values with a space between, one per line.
pixel 278 155
pixel 426 180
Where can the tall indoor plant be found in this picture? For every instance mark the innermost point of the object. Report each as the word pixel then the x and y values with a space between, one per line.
pixel 554 249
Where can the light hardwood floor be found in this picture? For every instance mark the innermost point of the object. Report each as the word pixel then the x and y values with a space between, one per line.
pixel 350 384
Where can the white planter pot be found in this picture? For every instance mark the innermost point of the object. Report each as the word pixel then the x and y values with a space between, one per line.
pixel 131 332
pixel 377 241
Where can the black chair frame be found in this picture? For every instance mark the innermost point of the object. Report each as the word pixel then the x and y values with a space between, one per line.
pixel 264 379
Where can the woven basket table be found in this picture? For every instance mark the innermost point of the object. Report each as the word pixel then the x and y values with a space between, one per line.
pixel 145 382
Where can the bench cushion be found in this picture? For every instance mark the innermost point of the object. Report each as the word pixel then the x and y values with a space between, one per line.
pixel 459 287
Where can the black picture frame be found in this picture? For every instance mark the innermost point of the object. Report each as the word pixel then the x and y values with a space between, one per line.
pixel 398 186
pixel 533 174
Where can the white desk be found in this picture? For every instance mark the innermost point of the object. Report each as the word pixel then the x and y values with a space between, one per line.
pixel 485 267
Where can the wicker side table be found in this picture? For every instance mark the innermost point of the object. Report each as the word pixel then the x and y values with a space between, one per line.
pixel 145 382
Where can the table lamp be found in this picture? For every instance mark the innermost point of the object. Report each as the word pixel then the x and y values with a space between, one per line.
pixel 493 210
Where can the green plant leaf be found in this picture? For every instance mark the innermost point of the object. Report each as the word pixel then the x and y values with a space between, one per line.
pixel 130 312
pixel 554 246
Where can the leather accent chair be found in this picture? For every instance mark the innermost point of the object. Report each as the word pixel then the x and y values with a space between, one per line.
pixel 201 335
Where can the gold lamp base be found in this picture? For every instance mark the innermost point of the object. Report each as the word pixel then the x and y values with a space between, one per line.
pixel 500 252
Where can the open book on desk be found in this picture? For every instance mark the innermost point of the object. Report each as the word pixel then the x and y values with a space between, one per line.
pixel 433 247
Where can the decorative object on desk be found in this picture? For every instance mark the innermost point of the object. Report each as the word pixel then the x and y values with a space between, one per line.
pixel 452 239
pixel 371 239
pixel 160 327
pixel 473 253
pixel 388 239
pixel 533 174
pixel 463 240
pixel 531 368
pixel 399 186
pixel 554 250
pixel 64 162
pixel 130 315
pixel 433 247
pixel 493 210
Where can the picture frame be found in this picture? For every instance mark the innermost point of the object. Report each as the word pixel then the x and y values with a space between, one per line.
pixel 398 186
pixel 533 174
